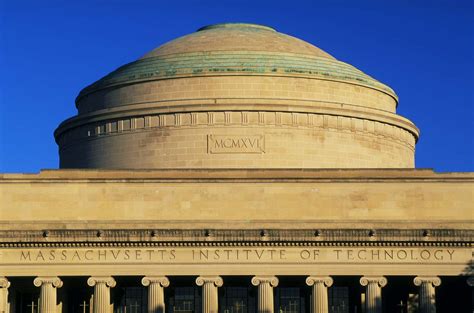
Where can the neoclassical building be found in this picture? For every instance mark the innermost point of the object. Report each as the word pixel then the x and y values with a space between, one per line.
pixel 236 169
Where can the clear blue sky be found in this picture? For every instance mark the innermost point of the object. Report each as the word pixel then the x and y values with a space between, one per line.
pixel 50 50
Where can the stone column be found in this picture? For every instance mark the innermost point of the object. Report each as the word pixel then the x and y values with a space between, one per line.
pixel 426 293
pixel 48 296
pixel 156 298
pixel 4 284
pixel 102 285
pixel 470 282
pixel 209 292
pixel 265 292
pixel 373 294
pixel 319 303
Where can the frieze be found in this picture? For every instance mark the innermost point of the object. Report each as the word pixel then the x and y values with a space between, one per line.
pixel 208 119
pixel 173 255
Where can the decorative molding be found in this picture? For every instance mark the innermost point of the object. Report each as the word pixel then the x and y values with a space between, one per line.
pixel 163 281
pixel 216 280
pixel 272 280
pixel 326 280
pixel 379 280
pixel 433 280
pixel 53 280
pixel 4 283
pixel 191 119
pixel 223 237
pixel 109 281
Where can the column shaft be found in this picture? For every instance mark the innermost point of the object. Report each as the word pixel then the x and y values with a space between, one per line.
pixel 101 286
pixel 4 284
pixel 101 298
pixel 265 292
pixel 47 300
pixel 373 293
pixel 426 293
pixel 156 298
pixel 209 292
pixel 319 301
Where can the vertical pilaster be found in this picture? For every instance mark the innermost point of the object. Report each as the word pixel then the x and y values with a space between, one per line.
pixel 426 293
pixel 209 292
pixel 373 293
pixel 265 292
pixel 48 295
pixel 4 285
pixel 320 284
pixel 156 297
pixel 102 285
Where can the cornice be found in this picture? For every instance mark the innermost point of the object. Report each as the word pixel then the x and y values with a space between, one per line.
pixel 238 175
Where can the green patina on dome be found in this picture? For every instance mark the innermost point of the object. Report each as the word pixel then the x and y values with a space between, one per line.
pixel 235 63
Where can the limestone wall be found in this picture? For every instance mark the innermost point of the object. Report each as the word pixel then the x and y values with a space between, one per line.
pixel 238 199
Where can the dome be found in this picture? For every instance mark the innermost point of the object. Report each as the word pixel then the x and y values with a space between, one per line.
pixel 237 95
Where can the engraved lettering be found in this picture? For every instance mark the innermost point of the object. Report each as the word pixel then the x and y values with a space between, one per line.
pixel 387 254
pixel 52 255
pixel 138 254
pixel 305 254
pixel 115 255
pixel 425 254
pixel 25 256
pixel 259 256
pixel 402 254
pixel 77 256
pixel 103 254
pixel 87 255
pixel 438 255
pixel 362 254
pixel 235 144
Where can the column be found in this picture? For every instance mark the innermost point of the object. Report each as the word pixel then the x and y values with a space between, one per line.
pixel 4 284
pixel 209 292
pixel 48 296
pixel 373 293
pixel 470 283
pixel 102 285
pixel 426 293
pixel 320 284
pixel 156 298
pixel 265 292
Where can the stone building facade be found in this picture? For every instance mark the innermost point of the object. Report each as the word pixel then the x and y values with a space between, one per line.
pixel 236 169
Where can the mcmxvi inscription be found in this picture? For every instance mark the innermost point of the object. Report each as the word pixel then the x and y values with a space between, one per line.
pixel 236 144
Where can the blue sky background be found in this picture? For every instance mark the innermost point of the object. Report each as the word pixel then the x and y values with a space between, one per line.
pixel 50 50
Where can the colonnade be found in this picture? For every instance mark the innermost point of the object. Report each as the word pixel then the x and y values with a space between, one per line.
pixel 210 285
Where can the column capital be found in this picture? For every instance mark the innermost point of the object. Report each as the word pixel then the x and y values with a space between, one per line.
pixel 109 281
pixel 326 280
pixel 216 280
pixel 163 281
pixel 4 283
pixel 433 280
pixel 272 280
pixel 53 280
pixel 470 281
pixel 379 280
